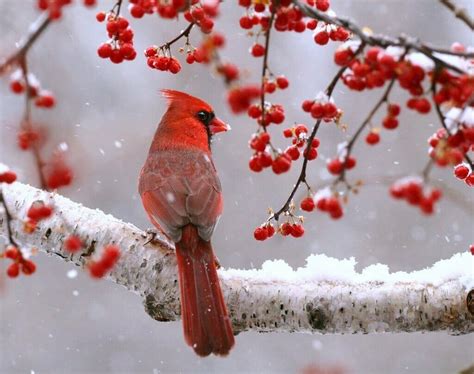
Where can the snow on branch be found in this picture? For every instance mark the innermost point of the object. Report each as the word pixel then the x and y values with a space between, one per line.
pixel 325 296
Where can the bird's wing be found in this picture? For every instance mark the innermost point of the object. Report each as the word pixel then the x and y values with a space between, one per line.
pixel 181 187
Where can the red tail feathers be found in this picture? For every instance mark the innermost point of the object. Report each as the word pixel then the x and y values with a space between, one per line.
pixel 207 327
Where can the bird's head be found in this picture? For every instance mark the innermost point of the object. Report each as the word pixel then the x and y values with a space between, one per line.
pixel 189 119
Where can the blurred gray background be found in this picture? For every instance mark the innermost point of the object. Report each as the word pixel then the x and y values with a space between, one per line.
pixel 53 323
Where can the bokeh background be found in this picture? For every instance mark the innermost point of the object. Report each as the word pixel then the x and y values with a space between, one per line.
pixel 62 321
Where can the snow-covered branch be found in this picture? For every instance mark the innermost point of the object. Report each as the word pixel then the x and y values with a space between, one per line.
pixel 325 296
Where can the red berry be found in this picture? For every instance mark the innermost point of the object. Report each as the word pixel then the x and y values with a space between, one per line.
pixel 137 11
pixel 372 138
pixel 461 171
pixel 390 123
pixel 8 177
pixel 17 87
pixel 322 5
pixel 105 50
pixel 321 204
pixel 174 66
pixel 73 243
pixel 470 180
pixel 307 204
pixel 258 50
pixel 281 164
pixel 28 267
pixel 293 152
pixel 282 82
pixel 334 166
pixel 321 38
pixel 297 230
pixel 393 110
pixel 255 165
pixel 13 253
pixel 310 154
pixel 423 106
pixel 307 105
pixel 260 233
pixel 100 16
pixel 13 270
pixel 285 229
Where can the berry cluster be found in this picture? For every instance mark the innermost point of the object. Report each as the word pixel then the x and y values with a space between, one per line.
pixel 42 98
pixel 369 72
pixel 202 14
pixel 337 165
pixel 415 193
pixel 264 232
pixel 322 108
pixel 110 256
pixel 26 266
pixel 299 136
pixel 240 98
pixel 267 230
pixel 157 58
pixel 450 149
pixel 328 202
pixel 57 172
pixel 464 172
pixel 455 90
pixel 120 46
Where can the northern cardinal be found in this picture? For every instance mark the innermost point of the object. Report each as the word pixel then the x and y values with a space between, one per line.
pixel 182 196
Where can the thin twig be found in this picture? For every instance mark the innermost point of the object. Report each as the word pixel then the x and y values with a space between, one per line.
pixel 37 28
pixel 460 13
pixel 302 177
pixel 27 125
pixel 184 33
pixel 265 67
pixel 350 144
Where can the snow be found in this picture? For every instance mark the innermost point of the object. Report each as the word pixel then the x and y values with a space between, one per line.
pixel 417 58
pixel 328 269
pixel 461 63
pixel 3 168
pixel 456 115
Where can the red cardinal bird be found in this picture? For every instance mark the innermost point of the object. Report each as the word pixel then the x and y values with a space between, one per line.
pixel 181 193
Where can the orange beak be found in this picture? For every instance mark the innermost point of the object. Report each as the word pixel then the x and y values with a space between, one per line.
pixel 216 125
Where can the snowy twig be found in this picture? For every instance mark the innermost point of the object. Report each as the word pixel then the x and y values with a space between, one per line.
pixel 383 41
pixel 326 296
pixel 460 13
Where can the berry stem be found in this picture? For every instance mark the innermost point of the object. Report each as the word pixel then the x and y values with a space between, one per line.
pixel 265 66
pixel 427 169
pixel 184 33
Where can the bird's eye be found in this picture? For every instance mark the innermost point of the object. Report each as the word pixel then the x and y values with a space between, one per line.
pixel 204 116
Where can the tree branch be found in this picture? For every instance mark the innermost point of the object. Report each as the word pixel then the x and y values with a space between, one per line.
pixel 326 296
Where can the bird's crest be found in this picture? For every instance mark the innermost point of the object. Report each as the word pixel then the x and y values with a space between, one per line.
pixel 178 97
